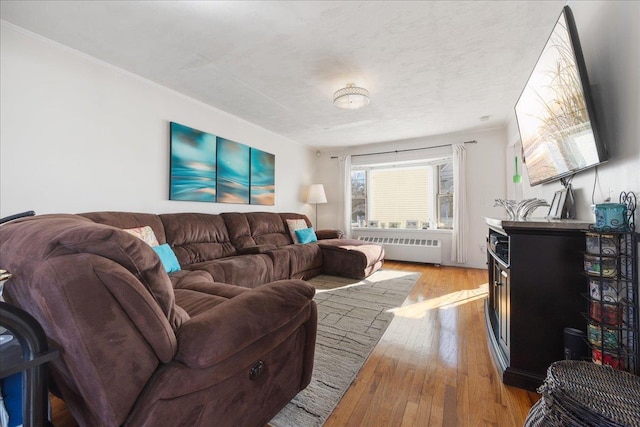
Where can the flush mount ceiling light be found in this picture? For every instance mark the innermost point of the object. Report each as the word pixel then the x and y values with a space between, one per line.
pixel 351 97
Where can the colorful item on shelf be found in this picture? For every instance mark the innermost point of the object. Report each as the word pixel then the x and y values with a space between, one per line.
pixel 609 359
pixel 600 266
pixel 610 314
pixel 595 334
pixel 604 244
pixel 611 216
pixel 604 290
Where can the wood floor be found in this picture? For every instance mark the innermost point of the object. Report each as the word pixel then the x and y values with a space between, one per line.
pixel 432 367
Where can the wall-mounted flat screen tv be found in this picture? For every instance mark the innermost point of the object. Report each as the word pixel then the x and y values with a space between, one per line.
pixel 555 111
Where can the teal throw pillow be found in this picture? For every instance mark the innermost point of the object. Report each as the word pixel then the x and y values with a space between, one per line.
pixel 168 258
pixel 306 235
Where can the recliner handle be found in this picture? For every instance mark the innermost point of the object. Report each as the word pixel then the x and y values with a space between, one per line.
pixel 256 370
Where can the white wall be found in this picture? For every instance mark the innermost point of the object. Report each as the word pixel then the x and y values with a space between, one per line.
pixel 80 135
pixel 485 183
pixel 610 39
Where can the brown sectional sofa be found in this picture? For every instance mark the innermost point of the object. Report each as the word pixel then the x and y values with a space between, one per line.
pixel 250 249
pixel 228 340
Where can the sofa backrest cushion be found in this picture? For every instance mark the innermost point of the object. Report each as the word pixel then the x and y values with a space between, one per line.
pixel 197 237
pixel 30 243
pixel 268 229
pixel 257 228
pixel 102 298
pixel 126 220
pixel 239 229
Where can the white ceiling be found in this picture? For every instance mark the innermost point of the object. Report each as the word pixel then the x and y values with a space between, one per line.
pixel 431 67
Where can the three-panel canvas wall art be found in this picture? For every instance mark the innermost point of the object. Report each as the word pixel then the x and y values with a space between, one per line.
pixel 209 168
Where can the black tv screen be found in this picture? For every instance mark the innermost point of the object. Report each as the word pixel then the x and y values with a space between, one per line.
pixel 555 111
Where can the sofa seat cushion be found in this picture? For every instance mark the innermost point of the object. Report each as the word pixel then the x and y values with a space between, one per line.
pixel 305 260
pixel 257 249
pixel 248 271
pixel 350 258
pixel 195 303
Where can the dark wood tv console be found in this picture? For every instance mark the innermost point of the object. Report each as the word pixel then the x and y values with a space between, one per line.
pixel 535 284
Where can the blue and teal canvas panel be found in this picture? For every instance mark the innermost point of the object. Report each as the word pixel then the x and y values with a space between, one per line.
pixel 233 172
pixel 193 165
pixel 262 178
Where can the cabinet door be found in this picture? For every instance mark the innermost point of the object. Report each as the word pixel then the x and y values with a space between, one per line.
pixel 504 306
pixel 495 288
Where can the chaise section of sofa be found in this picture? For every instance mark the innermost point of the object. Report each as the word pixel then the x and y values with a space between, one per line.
pixel 140 348
pixel 350 258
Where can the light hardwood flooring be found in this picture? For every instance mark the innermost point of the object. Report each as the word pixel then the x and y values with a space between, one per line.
pixel 432 367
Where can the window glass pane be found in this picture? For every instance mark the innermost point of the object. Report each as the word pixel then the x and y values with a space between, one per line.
pixel 358 198
pixel 445 211
pixel 359 212
pixel 445 173
pixel 358 184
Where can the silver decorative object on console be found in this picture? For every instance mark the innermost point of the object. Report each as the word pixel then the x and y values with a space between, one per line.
pixel 522 209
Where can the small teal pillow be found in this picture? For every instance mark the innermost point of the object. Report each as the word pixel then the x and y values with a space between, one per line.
pixel 306 235
pixel 168 258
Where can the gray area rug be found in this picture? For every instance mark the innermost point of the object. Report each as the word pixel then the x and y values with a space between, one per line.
pixel 352 316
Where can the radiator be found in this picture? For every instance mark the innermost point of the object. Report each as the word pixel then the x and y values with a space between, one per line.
pixel 408 249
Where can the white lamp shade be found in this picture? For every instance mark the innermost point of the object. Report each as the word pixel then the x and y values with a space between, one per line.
pixel 351 97
pixel 316 194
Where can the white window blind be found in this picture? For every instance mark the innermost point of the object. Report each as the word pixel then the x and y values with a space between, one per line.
pixel 401 194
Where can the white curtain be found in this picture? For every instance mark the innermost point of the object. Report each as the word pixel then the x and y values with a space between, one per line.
pixel 345 183
pixel 460 220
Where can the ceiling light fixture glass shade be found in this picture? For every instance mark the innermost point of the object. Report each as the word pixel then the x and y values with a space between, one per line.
pixel 351 97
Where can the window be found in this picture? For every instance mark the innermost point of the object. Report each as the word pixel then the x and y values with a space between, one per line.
pixel 445 195
pixel 358 197
pixel 389 195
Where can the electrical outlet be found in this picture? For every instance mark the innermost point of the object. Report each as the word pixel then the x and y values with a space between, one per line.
pixel 483 248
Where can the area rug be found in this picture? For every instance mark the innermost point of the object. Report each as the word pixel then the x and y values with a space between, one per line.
pixel 352 316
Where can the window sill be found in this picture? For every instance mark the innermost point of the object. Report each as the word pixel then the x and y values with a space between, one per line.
pixel 402 230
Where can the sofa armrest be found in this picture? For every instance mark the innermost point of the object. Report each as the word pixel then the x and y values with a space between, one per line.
pixel 329 234
pixel 227 329
pixel 257 249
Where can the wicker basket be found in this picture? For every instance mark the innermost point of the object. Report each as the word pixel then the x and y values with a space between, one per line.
pixel 577 393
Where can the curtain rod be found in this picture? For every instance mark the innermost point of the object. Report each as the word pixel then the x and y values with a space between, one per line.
pixel 407 149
